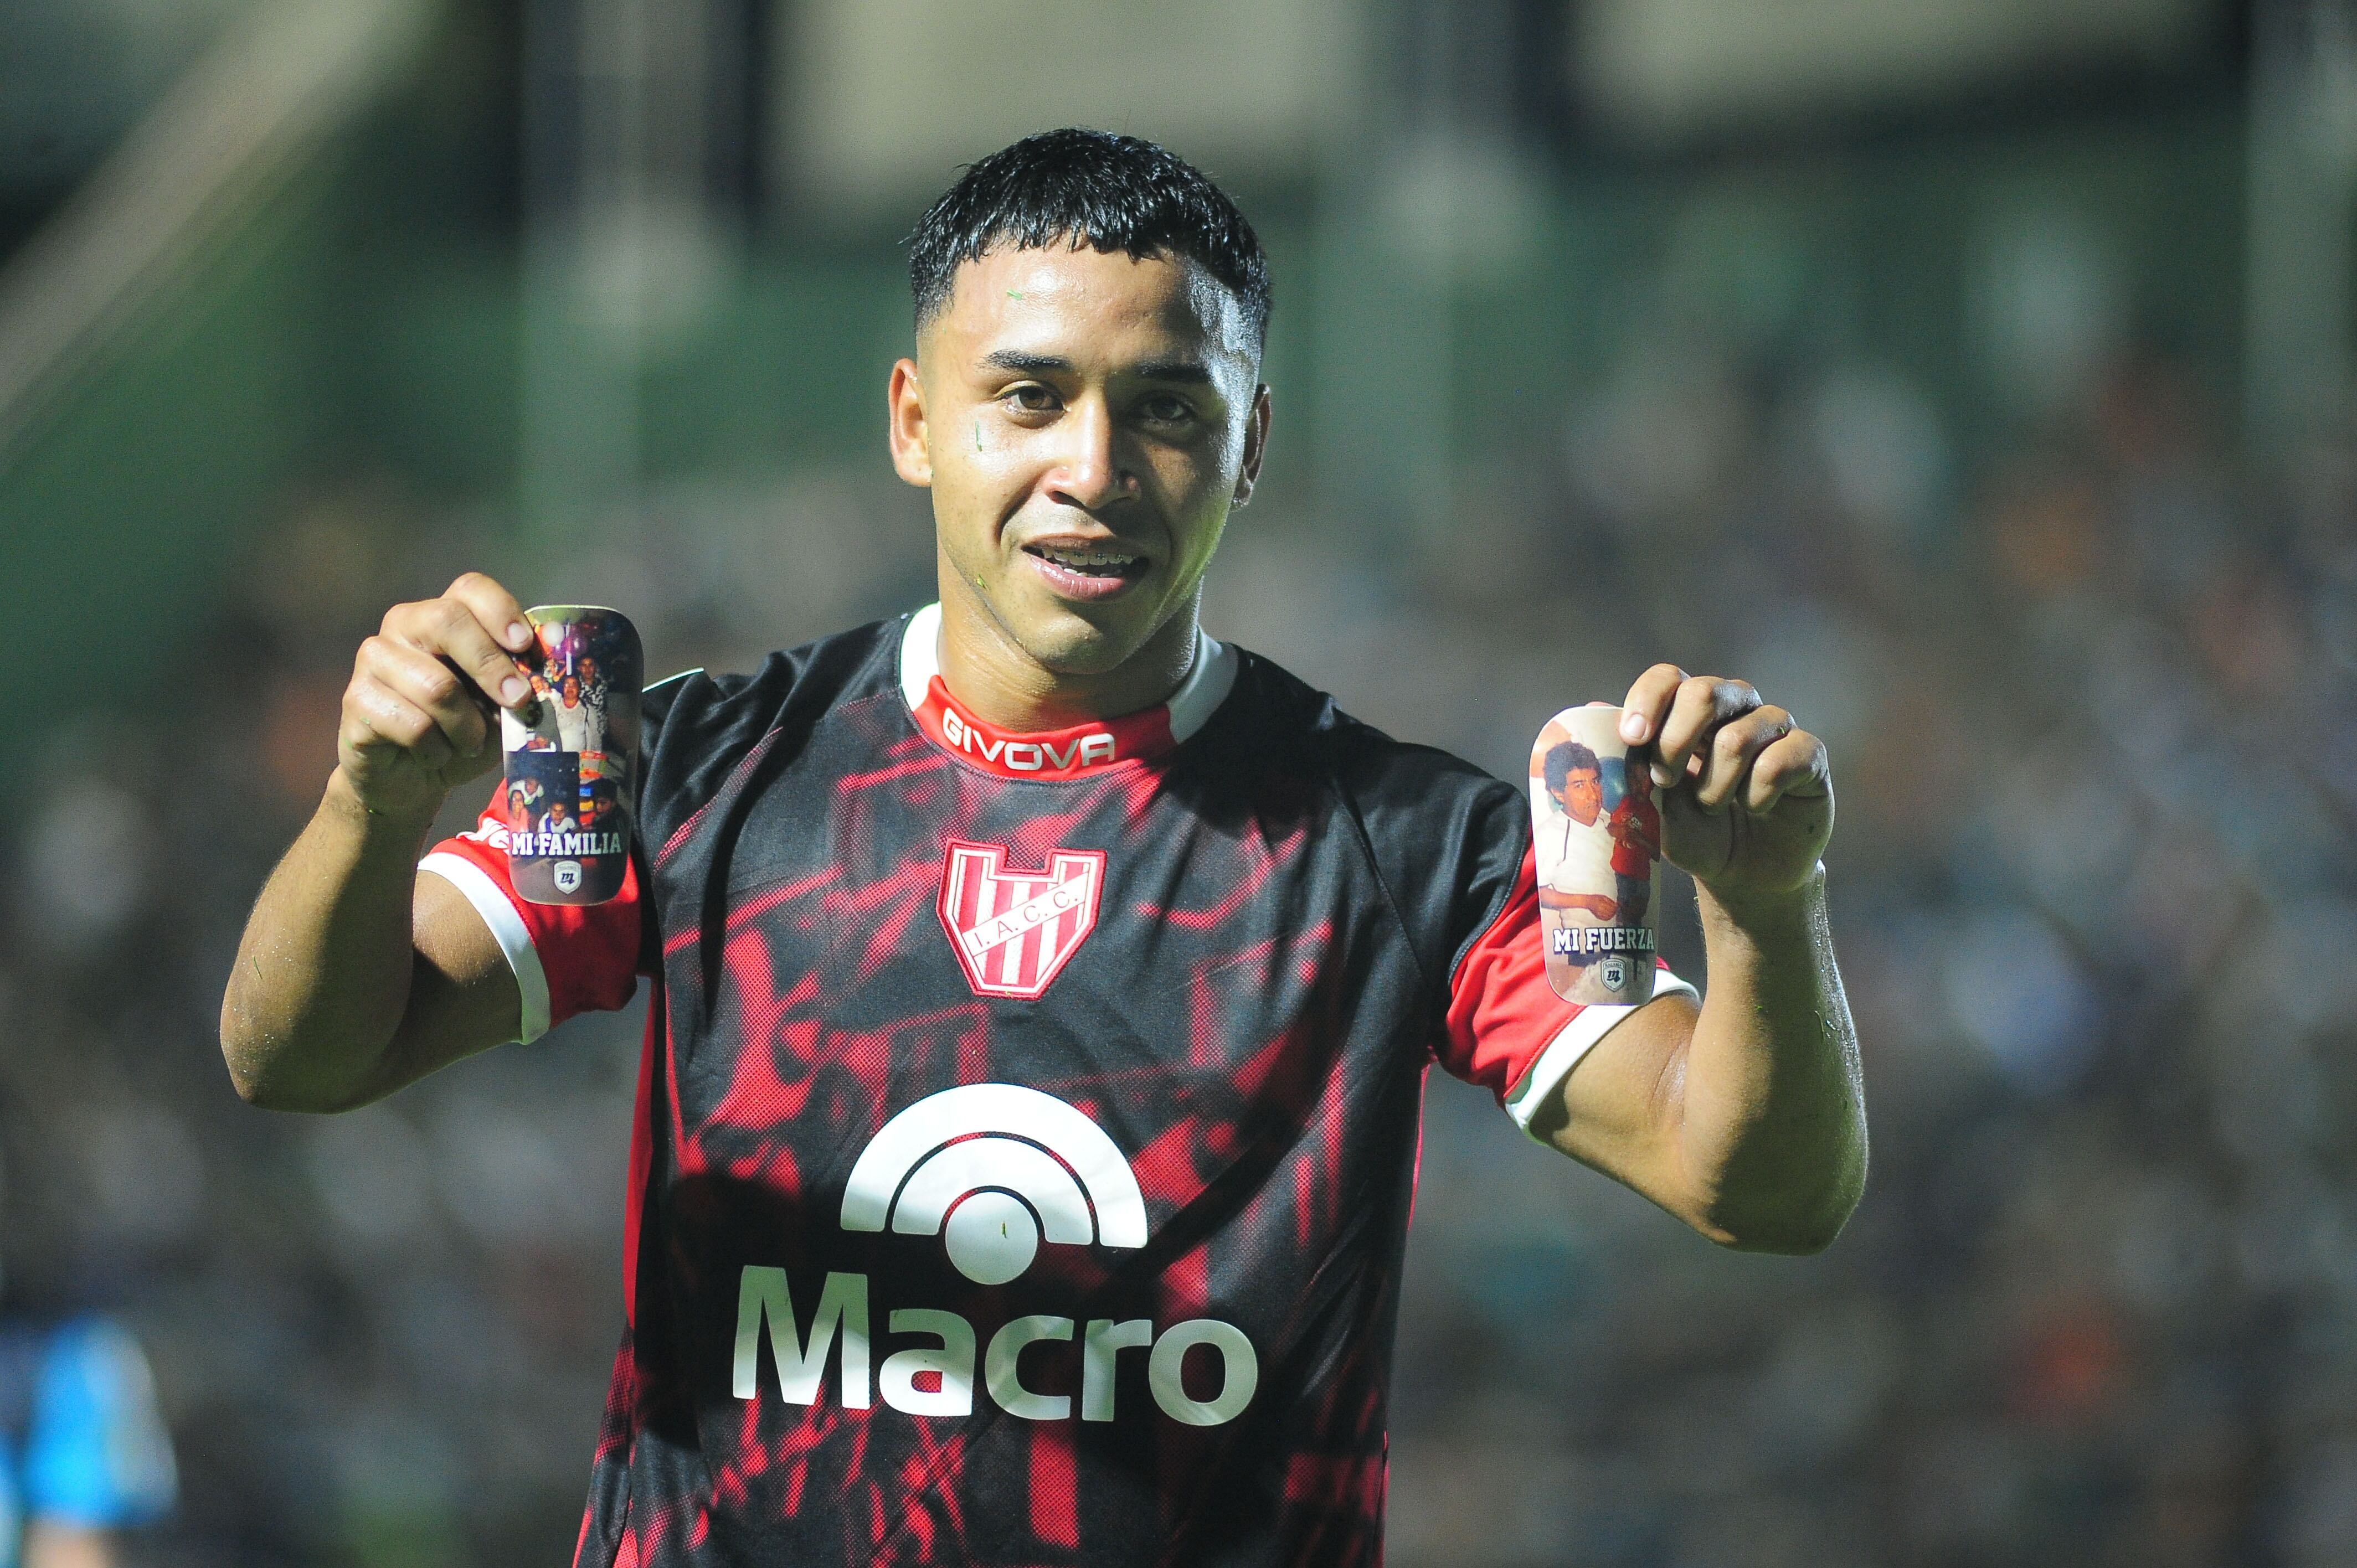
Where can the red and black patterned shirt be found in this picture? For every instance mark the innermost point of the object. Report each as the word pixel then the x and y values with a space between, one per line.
pixel 1026 1123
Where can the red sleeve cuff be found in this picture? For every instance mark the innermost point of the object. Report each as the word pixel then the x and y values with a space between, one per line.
pixel 567 959
pixel 1507 1028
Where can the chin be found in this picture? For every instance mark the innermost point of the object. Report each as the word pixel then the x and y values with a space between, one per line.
pixel 1068 639
pixel 1071 645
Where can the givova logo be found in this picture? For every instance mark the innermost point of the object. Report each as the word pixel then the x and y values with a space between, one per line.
pixel 993 1169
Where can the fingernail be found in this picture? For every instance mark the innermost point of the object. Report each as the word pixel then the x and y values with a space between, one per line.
pixel 1663 777
pixel 1632 728
pixel 513 689
pixel 519 635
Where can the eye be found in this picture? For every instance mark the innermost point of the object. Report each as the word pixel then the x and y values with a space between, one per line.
pixel 1029 398
pixel 1166 408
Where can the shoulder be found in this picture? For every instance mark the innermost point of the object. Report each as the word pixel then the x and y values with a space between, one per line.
pixel 700 726
pixel 1377 772
pixel 826 668
pixel 1422 810
pixel 1446 839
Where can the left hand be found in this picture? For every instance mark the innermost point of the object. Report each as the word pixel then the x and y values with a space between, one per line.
pixel 1747 795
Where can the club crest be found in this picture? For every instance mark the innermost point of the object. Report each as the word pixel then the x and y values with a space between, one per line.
pixel 1013 932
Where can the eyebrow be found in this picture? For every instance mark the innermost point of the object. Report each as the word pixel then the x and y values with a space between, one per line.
pixel 1190 372
pixel 1024 364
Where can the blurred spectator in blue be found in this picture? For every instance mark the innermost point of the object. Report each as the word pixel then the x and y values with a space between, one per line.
pixel 83 1454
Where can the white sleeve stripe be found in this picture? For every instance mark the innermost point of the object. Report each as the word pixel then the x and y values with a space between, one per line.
pixel 1564 1052
pixel 507 928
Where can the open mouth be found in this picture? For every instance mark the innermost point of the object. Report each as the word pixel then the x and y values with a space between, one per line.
pixel 1100 563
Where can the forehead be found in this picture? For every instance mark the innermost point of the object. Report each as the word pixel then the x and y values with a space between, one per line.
pixel 1070 302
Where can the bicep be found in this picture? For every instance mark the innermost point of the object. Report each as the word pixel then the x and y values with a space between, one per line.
pixel 463 993
pixel 1617 1108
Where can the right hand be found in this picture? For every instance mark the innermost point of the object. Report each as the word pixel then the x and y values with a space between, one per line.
pixel 420 715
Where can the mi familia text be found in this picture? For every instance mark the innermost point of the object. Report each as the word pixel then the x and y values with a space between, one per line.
pixel 541 843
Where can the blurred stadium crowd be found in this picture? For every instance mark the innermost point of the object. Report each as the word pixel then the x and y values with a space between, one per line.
pixel 2090 705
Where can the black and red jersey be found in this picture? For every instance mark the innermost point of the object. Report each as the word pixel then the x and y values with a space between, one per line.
pixel 1028 1123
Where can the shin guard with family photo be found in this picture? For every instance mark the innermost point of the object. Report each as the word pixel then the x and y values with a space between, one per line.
pixel 569 794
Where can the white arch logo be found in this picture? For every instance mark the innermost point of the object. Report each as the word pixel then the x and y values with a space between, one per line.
pixel 993 1168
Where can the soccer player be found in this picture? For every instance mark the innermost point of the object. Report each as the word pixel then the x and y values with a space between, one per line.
pixel 1042 990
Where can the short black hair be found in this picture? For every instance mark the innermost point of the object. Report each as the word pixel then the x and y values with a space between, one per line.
pixel 1082 187
pixel 1566 759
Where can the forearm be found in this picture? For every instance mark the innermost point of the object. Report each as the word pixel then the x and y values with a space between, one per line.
pixel 1771 1127
pixel 324 971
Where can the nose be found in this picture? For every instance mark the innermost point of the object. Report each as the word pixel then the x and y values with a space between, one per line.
pixel 1088 474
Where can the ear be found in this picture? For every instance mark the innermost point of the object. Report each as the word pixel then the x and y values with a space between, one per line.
pixel 1255 444
pixel 912 457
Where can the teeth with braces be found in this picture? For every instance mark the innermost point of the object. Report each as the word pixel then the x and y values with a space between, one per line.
pixel 1083 558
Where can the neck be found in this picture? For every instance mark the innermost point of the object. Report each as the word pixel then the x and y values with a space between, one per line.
pixel 996 680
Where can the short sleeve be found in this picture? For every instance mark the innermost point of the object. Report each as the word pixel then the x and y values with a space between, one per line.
pixel 1507 1029
pixel 96 1453
pixel 568 959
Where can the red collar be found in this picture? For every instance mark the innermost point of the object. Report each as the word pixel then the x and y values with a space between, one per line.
pixel 1073 753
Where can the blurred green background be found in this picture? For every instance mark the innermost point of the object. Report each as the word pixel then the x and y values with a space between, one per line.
pixel 426 243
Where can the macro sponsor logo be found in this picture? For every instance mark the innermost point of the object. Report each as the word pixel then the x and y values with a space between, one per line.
pixel 1015 930
pixel 1091 751
pixel 994 1169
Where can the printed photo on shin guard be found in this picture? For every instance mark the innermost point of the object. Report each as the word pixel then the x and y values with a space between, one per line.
pixel 1596 834
pixel 566 799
